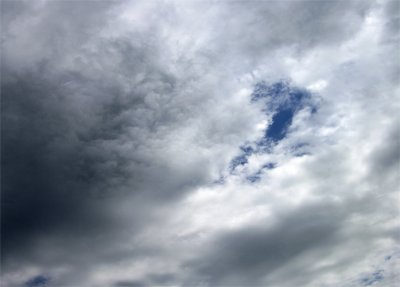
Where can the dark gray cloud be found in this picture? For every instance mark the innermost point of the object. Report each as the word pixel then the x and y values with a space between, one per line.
pixel 129 284
pixel 50 176
pixel 386 158
pixel 158 279
pixel 392 21
pixel 244 257
pixel 77 141
pixel 65 163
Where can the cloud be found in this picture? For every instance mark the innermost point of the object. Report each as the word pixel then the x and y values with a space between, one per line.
pixel 136 153
pixel 243 256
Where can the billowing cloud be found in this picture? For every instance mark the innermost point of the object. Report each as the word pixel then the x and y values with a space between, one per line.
pixel 154 143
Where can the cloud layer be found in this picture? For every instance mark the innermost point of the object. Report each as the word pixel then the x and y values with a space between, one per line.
pixel 188 143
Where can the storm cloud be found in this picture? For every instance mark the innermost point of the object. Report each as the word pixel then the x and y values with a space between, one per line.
pixel 190 143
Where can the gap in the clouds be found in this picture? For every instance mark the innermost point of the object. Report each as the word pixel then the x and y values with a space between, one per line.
pixel 241 159
pixel 257 175
pixel 374 278
pixel 301 149
pixel 280 123
pixel 280 95
pixel 282 100
pixel 237 161
pixel 382 272
pixel 39 280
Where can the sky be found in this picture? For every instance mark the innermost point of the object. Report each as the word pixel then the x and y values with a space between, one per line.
pixel 200 143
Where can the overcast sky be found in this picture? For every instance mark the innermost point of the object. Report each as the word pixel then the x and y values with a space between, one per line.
pixel 200 143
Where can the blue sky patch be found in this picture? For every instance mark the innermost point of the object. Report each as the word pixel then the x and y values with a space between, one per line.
pixel 242 158
pixel 37 281
pixel 301 149
pixel 269 165
pixel 247 150
pixel 375 277
pixel 257 176
pixel 282 101
pixel 238 160
pixel 280 95
pixel 280 123
pixel 254 178
pixel 264 145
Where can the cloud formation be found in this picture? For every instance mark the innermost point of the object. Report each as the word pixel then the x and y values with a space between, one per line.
pixel 188 143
